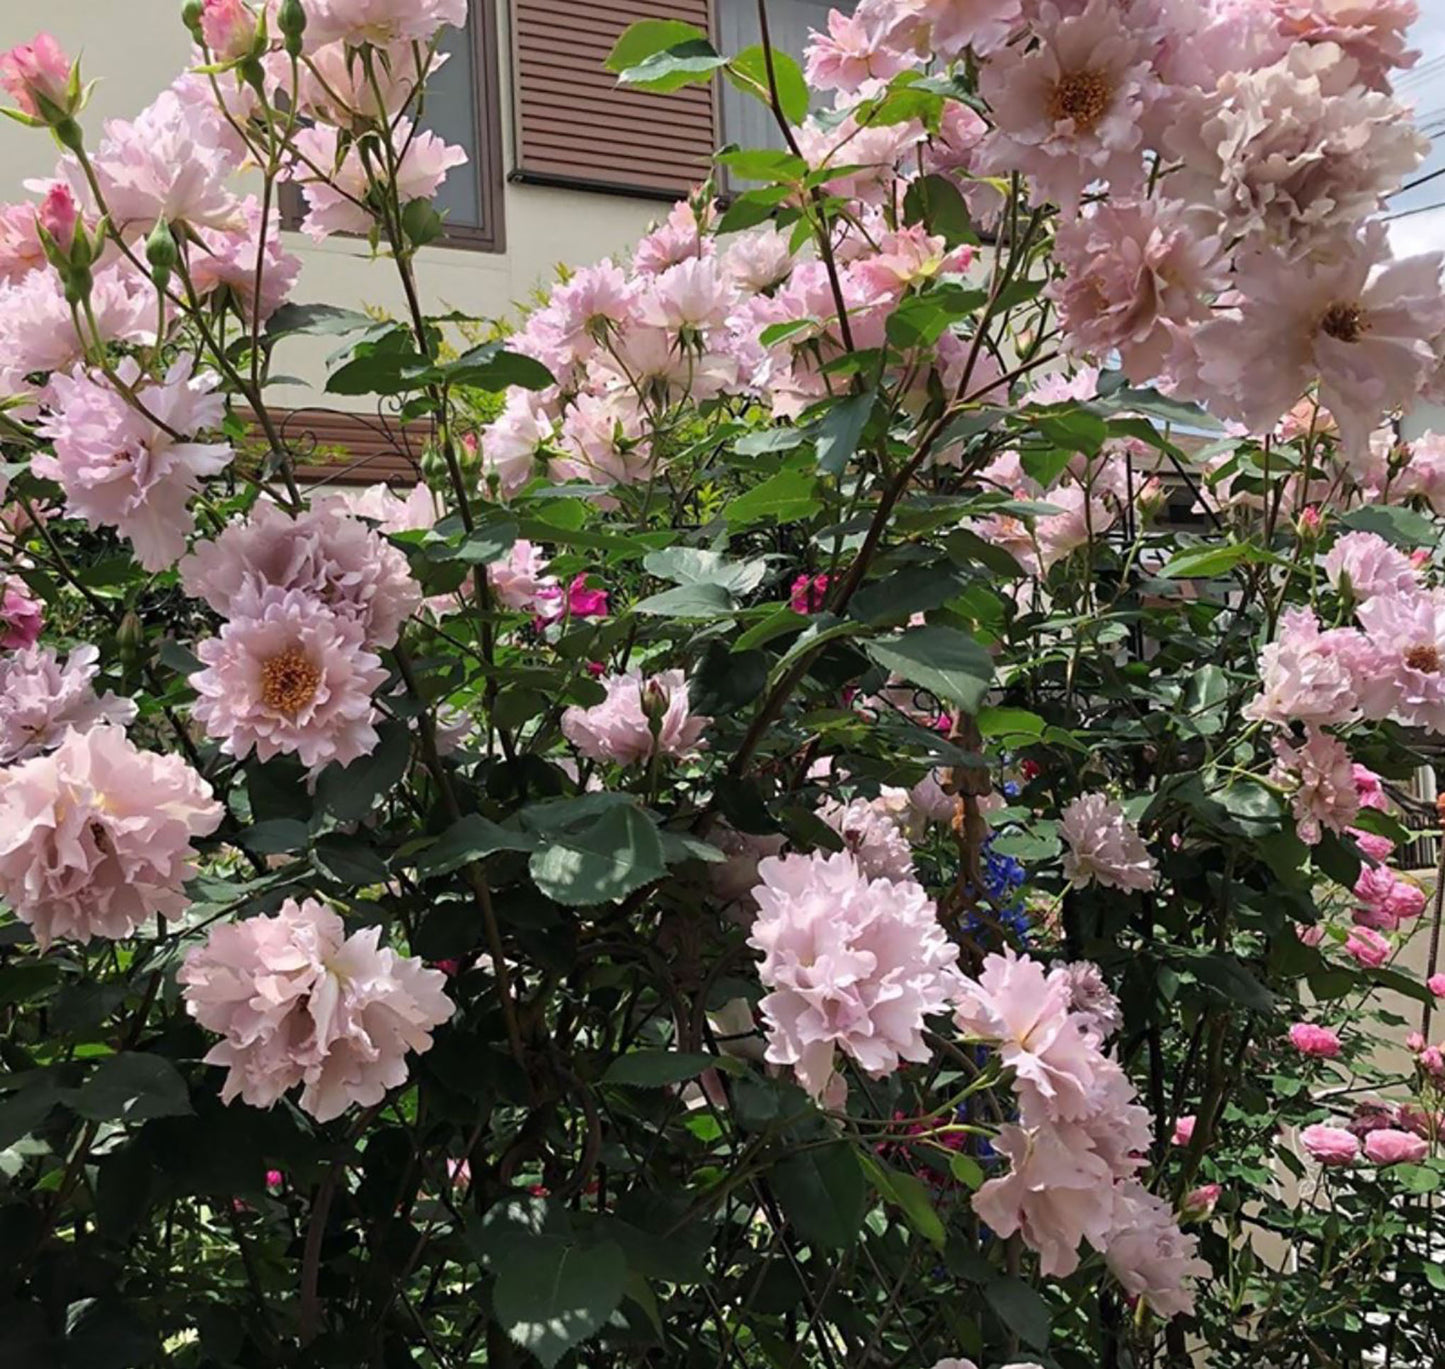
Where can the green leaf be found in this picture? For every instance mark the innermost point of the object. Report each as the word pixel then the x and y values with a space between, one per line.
pixel 1229 976
pixel 348 859
pixel 492 367
pixel 470 838
pixel 937 203
pixel 1020 1309
pixel 788 496
pixel 349 792
pixel 748 71
pixel 764 164
pixel 948 663
pixel 1417 1178
pixel 601 863
pixel 1395 523
pixel 683 64
pixel 967 1171
pixel 316 319
pixel 132 1087
pixel 697 566
pixel 657 1069
pixel 1010 722
pixel 552 1294
pixel 25 1110
pixel 824 1194
pixel 699 601
pixel 839 430
pixel 1203 562
pixel 643 39
pixel 387 364
pixel 908 1193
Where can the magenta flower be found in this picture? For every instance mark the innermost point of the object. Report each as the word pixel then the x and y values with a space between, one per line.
pixel 1319 1042
pixel 95 838
pixel 288 675
pixel 853 965
pixel 809 593
pixel 34 72
pixel 21 616
pixel 1330 1145
pixel 41 700
pixel 297 1001
pixel 1183 1131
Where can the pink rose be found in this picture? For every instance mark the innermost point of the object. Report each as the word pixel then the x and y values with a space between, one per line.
pixel 58 216
pixel 1202 1201
pixel 1368 947
pixel 1184 1130
pixel 1309 935
pixel 228 27
pixel 808 594
pixel 1436 985
pixel 21 617
pixel 1330 1145
pixel 1391 1147
pixel 34 72
pixel 1319 1042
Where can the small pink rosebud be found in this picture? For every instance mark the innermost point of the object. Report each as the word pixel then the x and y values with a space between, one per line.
pixel 1184 1131
pixel 1415 1043
pixel 1436 985
pixel 1311 522
pixel 228 27
pixel 596 669
pixel 37 72
pixel 274 1178
pixel 58 216
pixel 1420 558
pixel 1432 1061
pixel 1202 1201
pixel 1311 934
pixel 808 593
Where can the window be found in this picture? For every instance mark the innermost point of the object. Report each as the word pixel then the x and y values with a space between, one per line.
pixel 744 120
pixel 576 127
pixel 462 107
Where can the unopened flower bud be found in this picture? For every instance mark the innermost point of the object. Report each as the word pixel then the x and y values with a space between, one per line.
pixel 291 20
pixel 162 253
pixel 1201 1202
pixel 228 28
pixel 191 17
pixel 434 469
pixel 655 703
pixel 58 216
pixel 469 456
pixel 40 79
pixel 130 639
pixel 1150 497
pixel 1311 524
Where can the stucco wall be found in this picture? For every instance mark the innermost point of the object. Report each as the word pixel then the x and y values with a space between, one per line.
pixel 135 47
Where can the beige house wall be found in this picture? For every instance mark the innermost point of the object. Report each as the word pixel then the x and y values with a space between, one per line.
pixel 133 48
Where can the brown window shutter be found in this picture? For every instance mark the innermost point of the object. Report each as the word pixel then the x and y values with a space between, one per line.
pixel 576 126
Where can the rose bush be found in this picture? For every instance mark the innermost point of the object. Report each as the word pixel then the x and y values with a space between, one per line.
pixel 853 816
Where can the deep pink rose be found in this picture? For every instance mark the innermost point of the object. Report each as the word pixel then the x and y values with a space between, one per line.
pixel 34 71
pixel 1319 1042
pixel 1390 1147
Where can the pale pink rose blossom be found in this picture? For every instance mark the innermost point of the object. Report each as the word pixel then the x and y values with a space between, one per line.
pixel 1183 1130
pixel 1362 326
pixel 1406 635
pixel 37 328
pixel 1070 111
pixel 21 251
pixel 953 25
pixel 1103 846
pixel 35 71
pixel 41 700
pixel 852 965
pixel 384 21
pixel 1025 1014
pixel 1057 1194
pixel 337 89
pixel 1131 272
pixel 288 675
pixel 21 616
pixel 1390 1147
pixel 515 442
pixel 855 49
pixel 228 27
pixel 1322 777
pixel 641 716
pixel 677 239
pixel 872 837
pixel 1368 948
pixel 324 552
pixel 1368 565
pixel 1330 1145
pixel 1372 33
pixel 157 167
pixel 521 580
pixel 297 1001
pixel 120 468
pixel 391 512
pixel 1311 935
pixel 759 259
pixel 1306 675
pixel 1293 153
pixel 1149 1255
pixel 1092 1004
pixel 226 259
pixel 605 436
pixel 334 205
pixel 689 298
pixel 95 837
pixel 1318 1042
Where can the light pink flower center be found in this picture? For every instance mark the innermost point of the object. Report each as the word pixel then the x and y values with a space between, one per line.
pixel 1084 97
pixel 289 681
pixel 1345 322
